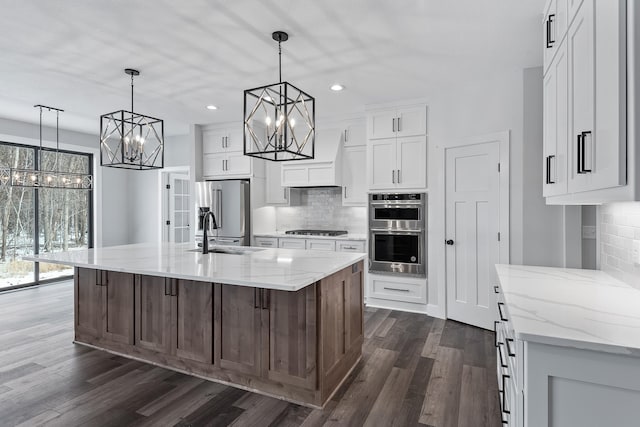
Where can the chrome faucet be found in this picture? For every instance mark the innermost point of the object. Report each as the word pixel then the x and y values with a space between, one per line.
pixel 205 226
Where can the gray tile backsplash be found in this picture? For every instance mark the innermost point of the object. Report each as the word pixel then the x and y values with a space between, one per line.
pixel 321 208
pixel 619 232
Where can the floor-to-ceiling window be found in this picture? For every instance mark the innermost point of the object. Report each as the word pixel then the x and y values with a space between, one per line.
pixel 42 219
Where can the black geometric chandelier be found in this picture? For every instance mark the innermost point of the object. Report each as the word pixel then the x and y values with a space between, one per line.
pixel 130 140
pixel 279 119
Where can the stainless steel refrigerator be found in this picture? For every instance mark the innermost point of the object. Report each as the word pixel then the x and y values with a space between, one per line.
pixel 230 203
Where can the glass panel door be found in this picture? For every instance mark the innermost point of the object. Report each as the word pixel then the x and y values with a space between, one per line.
pixel 50 219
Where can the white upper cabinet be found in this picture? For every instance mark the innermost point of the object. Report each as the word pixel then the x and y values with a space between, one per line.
pixel 354 183
pixel 555 126
pixel 275 193
pixel 594 55
pixel 397 122
pixel 399 159
pixel 223 155
pixel 554 28
pixel 326 167
pixel 354 133
pixel 382 124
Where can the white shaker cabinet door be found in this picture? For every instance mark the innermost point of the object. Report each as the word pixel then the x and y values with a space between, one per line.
pixel 291 243
pixel 382 164
pixel 382 124
pixel 354 187
pixel 275 193
pixel 411 162
pixel 581 66
pixel 555 129
pixel 411 121
pixel 238 164
pixel 213 164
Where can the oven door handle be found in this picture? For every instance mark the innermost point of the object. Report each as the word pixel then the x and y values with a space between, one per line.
pixel 396 231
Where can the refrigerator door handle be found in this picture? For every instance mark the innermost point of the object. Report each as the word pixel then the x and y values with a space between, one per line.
pixel 218 212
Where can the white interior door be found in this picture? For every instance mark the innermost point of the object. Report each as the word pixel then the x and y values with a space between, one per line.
pixel 179 202
pixel 472 191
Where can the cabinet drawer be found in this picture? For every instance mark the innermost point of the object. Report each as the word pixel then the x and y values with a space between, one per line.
pixel 399 290
pixel 291 243
pixel 321 244
pixel 266 242
pixel 350 246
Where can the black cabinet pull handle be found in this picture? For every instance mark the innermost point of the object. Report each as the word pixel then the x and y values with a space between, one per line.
pixel 550 21
pixel 166 291
pixel 509 352
pixel 579 159
pixel 495 333
pixel 584 138
pixel 502 363
pixel 549 180
pixel 496 289
pixel 504 394
pixel 502 316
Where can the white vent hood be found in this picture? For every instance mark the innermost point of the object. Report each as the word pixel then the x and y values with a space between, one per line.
pixel 325 170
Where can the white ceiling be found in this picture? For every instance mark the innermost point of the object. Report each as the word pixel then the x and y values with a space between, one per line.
pixel 71 54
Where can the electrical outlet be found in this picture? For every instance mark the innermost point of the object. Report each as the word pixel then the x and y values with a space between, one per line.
pixel 589 232
pixel 635 252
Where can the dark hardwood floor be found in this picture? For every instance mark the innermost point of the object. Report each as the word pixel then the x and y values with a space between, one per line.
pixel 416 370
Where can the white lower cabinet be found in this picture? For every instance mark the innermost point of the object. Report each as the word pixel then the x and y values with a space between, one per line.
pixel 312 244
pixel 544 385
pixel 292 243
pixel 266 242
pixel 398 288
pixel 350 246
pixel 321 244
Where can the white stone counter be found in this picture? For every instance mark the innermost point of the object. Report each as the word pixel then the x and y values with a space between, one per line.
pixel 281 269
pixel 586 309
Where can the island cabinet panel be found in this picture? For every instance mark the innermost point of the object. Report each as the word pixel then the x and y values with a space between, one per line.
pixel 341 326
pixel 239 328
pixel 118 307
pixel 153 313
pixel 193 320
pixel 290 337
pixel 104 306
pixel 88 302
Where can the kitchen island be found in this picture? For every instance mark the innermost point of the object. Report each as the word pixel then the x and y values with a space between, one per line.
pixel 286 323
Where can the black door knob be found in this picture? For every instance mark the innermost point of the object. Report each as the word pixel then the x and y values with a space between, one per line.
pixel 449 242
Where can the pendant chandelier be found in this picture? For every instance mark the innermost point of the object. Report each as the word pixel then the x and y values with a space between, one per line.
pixel 279 119
pixel 130 140
pixel 51 178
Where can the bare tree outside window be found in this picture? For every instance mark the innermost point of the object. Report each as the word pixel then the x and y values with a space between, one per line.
pixel 63 216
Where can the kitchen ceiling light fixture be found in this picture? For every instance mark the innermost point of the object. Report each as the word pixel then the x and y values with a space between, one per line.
pixel 279 119
pixel 130 140
pixel 53 178
pixel 337 87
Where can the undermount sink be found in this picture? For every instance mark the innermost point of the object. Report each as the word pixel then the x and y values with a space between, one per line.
pixel 229 251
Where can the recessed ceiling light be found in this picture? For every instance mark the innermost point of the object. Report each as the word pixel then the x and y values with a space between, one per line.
pixel 337 87
pixel 211 107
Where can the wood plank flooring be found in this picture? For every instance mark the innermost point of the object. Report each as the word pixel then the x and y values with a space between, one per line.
pixel 416 370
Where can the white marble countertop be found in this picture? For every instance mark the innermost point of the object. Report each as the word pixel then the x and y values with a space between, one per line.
pixel 282 269
pixel 587 309
pixel 280 234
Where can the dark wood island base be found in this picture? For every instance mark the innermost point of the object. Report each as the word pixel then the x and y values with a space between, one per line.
pixel 297 346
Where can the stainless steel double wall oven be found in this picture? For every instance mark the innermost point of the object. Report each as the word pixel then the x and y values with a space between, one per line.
pixel 397 233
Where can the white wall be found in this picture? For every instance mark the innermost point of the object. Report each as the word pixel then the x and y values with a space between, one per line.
pixel 111 203
pixel 144 190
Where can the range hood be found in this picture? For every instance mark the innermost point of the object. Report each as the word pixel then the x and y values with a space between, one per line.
pixel 325 170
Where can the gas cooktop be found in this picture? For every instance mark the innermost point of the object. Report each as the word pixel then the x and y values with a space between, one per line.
pixel 317 232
